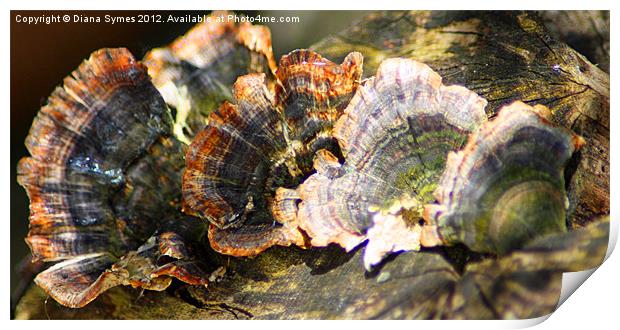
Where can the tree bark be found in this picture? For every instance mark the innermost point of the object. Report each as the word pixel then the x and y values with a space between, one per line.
pixel 504 57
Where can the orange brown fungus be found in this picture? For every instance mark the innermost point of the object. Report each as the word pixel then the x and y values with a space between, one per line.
pixel 308 73
pixel 65 143
pixel 77 281
pixel 265 139
pixel 98 180
pixel 196 71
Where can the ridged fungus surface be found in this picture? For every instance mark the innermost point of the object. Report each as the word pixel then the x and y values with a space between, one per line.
pixel 394 136
pixel 125 156
pixel 195 73
pixel 266 139
pixel 102 182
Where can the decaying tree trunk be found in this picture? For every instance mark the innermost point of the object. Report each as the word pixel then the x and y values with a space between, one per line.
pixel 585 31
pixel 503 56
pixel 328 284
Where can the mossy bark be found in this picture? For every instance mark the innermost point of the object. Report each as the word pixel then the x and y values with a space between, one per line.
pixel 503 56
pixel 330 284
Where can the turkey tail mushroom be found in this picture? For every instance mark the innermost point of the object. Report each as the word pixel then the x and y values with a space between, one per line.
pixel 506 186
pixel 394 136
pixel 263 141
pixel 196 72
pixel 99 149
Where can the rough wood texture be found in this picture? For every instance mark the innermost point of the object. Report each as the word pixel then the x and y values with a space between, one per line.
pixel 502 56
pixel 585 31
pixel 330 284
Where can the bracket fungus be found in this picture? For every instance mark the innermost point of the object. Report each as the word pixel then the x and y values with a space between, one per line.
pixel 260 175
pixel 101 182
pixel 506 186
pixel 394 135
pixel 195 73
pixel 263 141
pixel 305 153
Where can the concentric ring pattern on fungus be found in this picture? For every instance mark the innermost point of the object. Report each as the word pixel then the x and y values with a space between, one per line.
pixel 394 135
pixel 101 183
pixel 305 153
pixel 264 140
pixel 195 73
pixel 506 186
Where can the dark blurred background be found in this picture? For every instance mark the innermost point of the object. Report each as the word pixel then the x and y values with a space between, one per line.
pixel 42 55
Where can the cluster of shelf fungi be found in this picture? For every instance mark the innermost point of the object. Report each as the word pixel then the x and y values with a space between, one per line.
pixel 142 172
